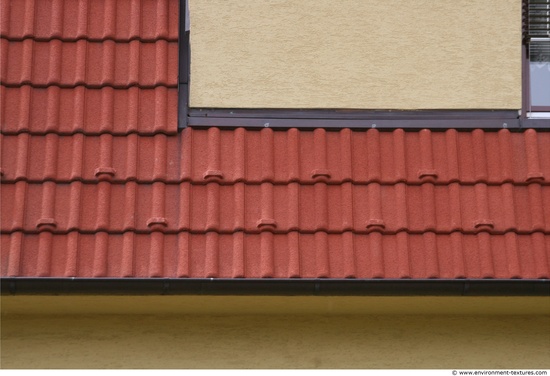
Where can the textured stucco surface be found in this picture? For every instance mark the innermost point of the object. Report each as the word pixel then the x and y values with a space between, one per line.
pixel 192 341
pixel 275 305
pixel 366 54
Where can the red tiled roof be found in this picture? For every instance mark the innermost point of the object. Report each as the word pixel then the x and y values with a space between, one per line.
pixel 90 64
pixel 93 20
pixel 295 254
pixel 96 180
pixel 227 181
pixel 66 111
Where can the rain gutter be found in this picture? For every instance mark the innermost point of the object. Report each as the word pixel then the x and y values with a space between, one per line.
pixel 275 287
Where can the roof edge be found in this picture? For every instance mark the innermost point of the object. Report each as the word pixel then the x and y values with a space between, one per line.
pixel 274 287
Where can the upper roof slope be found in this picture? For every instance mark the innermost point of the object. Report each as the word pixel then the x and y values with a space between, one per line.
pixel 96 180
pixel 97 20
pixel 102 66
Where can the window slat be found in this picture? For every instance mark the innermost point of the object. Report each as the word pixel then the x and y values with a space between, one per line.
pixel 537 19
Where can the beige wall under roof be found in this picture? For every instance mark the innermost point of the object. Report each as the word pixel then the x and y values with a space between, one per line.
pixel 364 54
pixel 274 332
pixel 286 341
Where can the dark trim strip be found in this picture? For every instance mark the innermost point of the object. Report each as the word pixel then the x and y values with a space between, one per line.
pixel 411 123
pixel 525 79
pixel 277 113
pixel 184 65
pixel 334 119
pixel 541 124
pixel 275 287
pixel 364 119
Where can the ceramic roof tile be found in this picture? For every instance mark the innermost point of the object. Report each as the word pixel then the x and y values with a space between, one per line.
pixel 263 255
pixel 225 193
pixel 85 66
pixel 276 208
pixel 97 181
pixel 228 156
pixel 97 20
pixel 67 111
pixel 93 64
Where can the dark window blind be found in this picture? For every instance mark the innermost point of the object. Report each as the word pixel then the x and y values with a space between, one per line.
pixel 537 29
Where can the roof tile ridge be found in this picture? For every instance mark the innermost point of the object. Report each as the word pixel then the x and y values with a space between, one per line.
pixel 200 182
pixel 387 183
pixel 89 39
pixel 88 86
pixel 175 231
pixel 27 117
pixel 89 133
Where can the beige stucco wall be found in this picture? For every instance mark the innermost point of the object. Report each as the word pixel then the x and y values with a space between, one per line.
pixel 193 341
pixel 274 332
pixel 274 305
pixel 364 54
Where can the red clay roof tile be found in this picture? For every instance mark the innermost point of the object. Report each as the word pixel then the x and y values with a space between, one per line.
pixel 96 180
pixel 67 111
pixel 231 156
pixel 277 208
pixel 93 64
pixel 200 184
pixel 97 20
pixel 345 255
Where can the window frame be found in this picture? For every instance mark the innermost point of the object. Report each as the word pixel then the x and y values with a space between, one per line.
pixel 527 108
pixel 184 65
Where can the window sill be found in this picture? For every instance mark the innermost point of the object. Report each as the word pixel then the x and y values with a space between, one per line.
pixel 363 119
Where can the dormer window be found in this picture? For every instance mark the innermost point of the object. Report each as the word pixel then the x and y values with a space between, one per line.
pixel 309 64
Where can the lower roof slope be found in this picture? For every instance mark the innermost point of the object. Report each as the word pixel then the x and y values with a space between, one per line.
pixel 241 203
pixel 266 255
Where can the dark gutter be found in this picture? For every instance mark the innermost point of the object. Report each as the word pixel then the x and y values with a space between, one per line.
pixel 275 287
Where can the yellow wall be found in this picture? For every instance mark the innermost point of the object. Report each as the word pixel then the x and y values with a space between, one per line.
pixel 365 54
pixel 192 341
pixel 274 305
pixel 274 332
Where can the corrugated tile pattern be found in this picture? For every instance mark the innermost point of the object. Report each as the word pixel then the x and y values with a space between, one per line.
pixel 90 64
pixel 307 208
pixel 101 66
pixel 277 157
pixel 264 255
pixel 66 111
pixel 224 203
pixel 97 182
pixel 93 20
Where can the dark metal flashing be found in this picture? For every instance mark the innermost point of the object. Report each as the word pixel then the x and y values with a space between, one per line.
pixel 364 119
pixel 541 124
pixel 275 287
pixel 353 114
pixel 184 65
